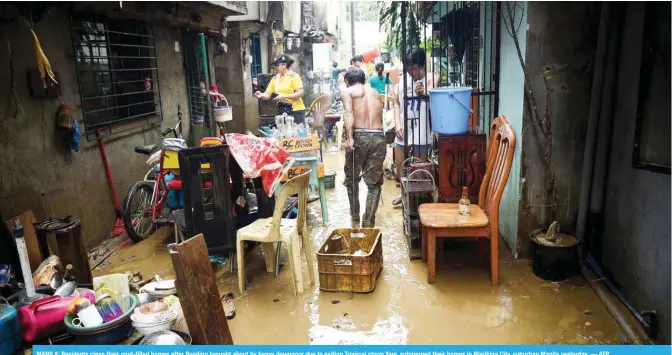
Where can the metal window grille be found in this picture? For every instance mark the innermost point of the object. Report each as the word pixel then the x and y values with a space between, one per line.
pixel 116 72
pixel 255 49
pixel 196 71
pixel 461 39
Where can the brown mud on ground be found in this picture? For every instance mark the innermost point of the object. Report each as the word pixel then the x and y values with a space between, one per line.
pixel 461 308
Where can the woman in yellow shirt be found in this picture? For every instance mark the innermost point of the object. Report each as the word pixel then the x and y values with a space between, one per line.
pixel 286 88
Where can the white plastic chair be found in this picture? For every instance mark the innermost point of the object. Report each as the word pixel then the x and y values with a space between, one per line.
pixel 339 132
pixel 291 232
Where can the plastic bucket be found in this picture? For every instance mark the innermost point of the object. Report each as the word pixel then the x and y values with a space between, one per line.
pixel 450 109
pixel 223 113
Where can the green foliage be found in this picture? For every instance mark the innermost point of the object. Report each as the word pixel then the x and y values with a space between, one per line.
pixel 367 10
pixel 390 22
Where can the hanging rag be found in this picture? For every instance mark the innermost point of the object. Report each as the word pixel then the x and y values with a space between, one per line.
pixel 43 64
pixel 260 157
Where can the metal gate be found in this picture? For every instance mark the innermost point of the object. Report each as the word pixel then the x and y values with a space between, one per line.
pixel 461 40
pixel 196 73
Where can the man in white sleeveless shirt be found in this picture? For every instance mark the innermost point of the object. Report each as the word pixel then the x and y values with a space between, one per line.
pixel 414 111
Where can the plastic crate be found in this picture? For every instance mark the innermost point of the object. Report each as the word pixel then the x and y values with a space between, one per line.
pixel 341 272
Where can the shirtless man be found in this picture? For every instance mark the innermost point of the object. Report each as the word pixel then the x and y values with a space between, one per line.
pixel 365 145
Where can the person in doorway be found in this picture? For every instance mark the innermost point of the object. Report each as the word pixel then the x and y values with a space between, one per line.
pixel 379 81
pixel 418 83
pixel 365 145
pixel 286 88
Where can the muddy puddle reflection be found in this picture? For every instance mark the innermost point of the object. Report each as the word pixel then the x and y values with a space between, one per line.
pixel 461 308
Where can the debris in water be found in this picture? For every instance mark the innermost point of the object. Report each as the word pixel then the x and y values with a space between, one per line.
pixel 588 324
pixel 587 312
pixel 276 300
pixel 553 237
pixel 335 301
pixel 345 314
pixel 218 260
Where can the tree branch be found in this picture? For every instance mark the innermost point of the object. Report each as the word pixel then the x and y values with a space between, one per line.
pixel 528 85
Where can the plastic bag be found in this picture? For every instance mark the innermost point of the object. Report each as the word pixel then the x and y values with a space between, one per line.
pixel 260 157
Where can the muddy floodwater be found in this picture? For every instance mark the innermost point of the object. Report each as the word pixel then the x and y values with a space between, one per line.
pixel 461 308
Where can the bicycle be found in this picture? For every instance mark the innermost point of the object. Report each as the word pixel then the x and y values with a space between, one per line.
pixel 143 210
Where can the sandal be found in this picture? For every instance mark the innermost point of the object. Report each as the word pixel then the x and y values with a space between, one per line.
pixel 227 299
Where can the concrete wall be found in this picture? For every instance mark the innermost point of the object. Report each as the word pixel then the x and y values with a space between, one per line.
pixel 33 172
pixel 232 75
pixel 511 83
pixel 636 232
pixel 563 47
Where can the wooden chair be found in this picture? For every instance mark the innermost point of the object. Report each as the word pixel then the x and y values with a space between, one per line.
pixel 494 127
pixel 444 219
pixel 292 232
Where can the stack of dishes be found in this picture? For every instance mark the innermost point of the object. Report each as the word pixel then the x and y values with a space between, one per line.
pixel 153 317
pixel 159 290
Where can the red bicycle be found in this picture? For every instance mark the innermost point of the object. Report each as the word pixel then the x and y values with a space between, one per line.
pixel 145 205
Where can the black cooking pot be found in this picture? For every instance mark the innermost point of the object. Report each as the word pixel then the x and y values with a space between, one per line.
pixel 554 263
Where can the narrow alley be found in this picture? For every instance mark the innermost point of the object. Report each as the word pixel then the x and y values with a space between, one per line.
pixel 461 308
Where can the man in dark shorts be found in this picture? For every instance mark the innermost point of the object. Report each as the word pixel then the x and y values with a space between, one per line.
pixel 365 145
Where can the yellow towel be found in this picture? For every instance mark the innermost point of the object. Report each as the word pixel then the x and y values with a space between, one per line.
pixel 42 61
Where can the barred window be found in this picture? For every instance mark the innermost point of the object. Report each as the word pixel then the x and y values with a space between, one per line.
pixel 116 71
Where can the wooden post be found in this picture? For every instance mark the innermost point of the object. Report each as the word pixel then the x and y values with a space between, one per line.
pixel 72 250
pixel 197 290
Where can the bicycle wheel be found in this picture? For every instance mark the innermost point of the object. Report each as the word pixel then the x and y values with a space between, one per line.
pixel 137 211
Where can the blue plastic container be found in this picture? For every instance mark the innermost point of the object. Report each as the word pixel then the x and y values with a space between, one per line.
pixel 450 109
pixel 10 337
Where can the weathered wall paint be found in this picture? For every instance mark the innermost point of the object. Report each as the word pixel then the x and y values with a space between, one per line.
pixel 234 79
pixel 33 172
pixel 561 48
pixel 511 105
pixel 636 233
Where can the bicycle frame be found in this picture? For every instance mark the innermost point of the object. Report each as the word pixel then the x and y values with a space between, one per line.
pixel 160 184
